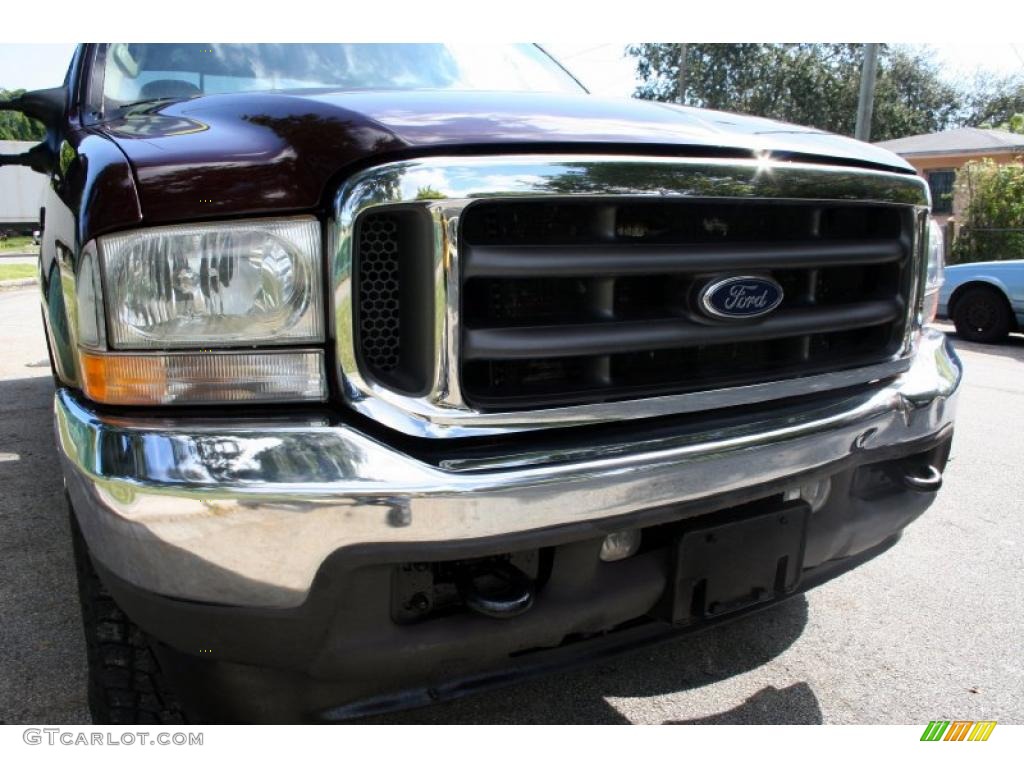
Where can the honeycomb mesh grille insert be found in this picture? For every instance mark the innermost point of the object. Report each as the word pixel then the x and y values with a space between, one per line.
pixel 379 317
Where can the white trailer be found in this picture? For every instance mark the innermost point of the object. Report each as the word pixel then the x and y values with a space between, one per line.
pixel 21 191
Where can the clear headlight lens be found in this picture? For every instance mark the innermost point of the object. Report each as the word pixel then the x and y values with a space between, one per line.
pixel 935 274
pixel 89 295
pixel 239 283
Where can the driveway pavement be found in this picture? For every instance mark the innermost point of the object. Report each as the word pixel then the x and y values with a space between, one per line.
pixel 931 629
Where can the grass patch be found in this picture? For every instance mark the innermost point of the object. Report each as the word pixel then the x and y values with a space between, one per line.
pixel 19 243
pixel 16 271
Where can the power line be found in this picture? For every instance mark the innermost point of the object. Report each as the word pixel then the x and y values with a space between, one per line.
pixel 587 50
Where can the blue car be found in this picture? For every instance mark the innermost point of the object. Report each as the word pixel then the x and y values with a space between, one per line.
pixel 984 300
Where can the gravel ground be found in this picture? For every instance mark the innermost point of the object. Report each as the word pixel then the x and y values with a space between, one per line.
pixel 930 629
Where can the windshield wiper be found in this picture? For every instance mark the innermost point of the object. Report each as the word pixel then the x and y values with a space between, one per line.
pixel 154 101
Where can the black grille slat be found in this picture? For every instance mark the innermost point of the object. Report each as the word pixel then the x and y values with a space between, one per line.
pixel 520 384
pixel 511 261
pixel 616 338
pixel 567 302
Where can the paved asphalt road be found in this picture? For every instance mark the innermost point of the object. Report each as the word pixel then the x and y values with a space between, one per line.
pixel 933 628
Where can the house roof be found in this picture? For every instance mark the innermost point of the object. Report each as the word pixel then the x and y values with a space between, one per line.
pixel 958 141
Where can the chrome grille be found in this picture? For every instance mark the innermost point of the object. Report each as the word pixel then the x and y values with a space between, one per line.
pixel 539 291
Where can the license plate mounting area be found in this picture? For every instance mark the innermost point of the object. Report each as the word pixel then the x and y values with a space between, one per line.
pixel 734 564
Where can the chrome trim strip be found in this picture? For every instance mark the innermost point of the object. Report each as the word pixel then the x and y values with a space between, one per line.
pixel 448 422
pixel 246 513
pixel 446 185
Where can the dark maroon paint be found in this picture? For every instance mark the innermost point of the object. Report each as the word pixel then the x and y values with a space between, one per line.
pixel 244 154
pixel 108 185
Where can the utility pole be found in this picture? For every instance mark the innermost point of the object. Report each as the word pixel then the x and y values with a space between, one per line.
pixel 866 103
pixel 682 73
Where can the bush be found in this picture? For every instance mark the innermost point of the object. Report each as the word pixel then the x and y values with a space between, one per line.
pixel 992 228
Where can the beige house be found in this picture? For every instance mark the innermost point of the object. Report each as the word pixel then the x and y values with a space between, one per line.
pixel 938 156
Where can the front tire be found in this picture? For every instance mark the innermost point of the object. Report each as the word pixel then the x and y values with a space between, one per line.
pixel 982 315
pixel 126 685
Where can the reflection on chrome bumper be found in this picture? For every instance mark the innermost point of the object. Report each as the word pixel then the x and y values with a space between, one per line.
pixel 246 514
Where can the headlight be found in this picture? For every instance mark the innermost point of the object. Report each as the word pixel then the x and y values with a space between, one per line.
pixel 202 288
pixel 934 276
pixel 89 295
pixel 214 285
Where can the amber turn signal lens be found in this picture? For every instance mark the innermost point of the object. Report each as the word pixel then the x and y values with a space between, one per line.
pixel 203 378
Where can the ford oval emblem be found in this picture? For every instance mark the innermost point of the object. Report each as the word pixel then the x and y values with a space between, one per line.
pixel 740 298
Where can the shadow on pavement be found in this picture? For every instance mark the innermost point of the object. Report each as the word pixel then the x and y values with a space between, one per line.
pixel 795 705
pixel 682 664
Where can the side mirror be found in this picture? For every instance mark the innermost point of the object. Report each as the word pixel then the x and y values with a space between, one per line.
pixel 40 158
pixel 48 107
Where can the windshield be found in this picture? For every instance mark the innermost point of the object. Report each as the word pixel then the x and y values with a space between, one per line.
pixel 135 72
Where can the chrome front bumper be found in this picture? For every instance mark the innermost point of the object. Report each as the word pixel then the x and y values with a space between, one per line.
pixel 245 514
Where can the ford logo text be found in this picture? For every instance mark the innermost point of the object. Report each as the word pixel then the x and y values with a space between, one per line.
pixel 740 298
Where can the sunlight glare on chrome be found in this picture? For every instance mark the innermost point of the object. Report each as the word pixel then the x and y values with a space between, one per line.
pixel 763 158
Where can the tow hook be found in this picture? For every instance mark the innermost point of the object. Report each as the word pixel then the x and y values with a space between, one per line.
pixel 923 478
pixel 495 588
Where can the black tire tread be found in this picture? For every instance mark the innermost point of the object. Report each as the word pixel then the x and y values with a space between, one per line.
pixel 126 686
pixel 1004 319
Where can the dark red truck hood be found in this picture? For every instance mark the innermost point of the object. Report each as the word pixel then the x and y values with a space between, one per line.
pixel 262 152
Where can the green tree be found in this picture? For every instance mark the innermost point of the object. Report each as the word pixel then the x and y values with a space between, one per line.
pixel 911 97
pixel 1015 123
pixel 14 126
pixel 813 84
pixel 993 100
pixel 429 193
